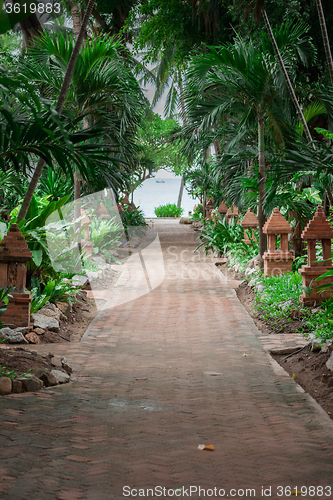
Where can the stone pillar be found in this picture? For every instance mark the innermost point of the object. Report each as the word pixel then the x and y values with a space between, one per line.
pixel 14 255
pixel 277 260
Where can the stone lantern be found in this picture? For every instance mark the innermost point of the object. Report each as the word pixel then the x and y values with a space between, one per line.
pixel 223 209
pixel 14 255
pixel 249 221
pixel 317 229
pixel 86 245
pixel 277 261
pixel 232 212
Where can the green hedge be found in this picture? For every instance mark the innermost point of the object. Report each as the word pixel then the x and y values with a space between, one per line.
pixel 170 210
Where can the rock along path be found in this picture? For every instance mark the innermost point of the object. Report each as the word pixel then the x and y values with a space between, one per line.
pixel 156 377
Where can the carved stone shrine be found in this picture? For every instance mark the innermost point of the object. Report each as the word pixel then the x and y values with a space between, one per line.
pixel 249 221
pixel 223 209
pixel 277 261
pixel 209 208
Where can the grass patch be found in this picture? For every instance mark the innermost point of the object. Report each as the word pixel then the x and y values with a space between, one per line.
pixel 279 289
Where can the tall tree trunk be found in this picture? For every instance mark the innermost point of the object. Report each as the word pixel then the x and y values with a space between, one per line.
pixel 76 19
pixel 101 21
pixel 262 189
pixel 77 205
pixel 182 103
pixel 77 176
pixel 204 203
pixel 205 188
pixel 60 103
pixel 217 146
pixel 329 60
pixel 324 33
pixel 181 190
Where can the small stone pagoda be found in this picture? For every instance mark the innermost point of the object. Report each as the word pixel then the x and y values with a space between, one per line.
pixel 249 221
pixel 232 212
pixel 14 255
pixel 277 260
pixel 209 208
pixel 223 209
pixel 317 229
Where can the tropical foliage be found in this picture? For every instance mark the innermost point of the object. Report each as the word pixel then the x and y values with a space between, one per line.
pixel 226 238
pixel 249 112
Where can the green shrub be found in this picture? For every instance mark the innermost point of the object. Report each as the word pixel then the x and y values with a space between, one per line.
pixel 240 253
pixel 225 237
pixel 60 289
pixel 219 235
pixel 278 289
pixel 133 218
pixel 170 210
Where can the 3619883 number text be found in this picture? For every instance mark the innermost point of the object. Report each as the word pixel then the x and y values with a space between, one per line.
pixel 309 491
pixel 32 8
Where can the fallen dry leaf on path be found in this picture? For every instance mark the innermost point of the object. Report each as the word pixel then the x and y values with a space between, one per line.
pixel 208 447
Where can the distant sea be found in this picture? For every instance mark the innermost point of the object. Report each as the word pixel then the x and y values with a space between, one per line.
pixel 153 194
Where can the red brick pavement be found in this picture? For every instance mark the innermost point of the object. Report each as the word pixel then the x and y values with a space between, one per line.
pixel 156 377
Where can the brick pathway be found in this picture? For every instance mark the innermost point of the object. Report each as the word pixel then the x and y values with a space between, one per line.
pixel 157 376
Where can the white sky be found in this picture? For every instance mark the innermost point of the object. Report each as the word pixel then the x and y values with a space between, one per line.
pixel 159 108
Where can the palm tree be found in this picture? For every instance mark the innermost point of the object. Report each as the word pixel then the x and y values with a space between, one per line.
pixel 102 88
pixel 59 105
pixel 244 80
pixel 29 129
pixel 258 6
